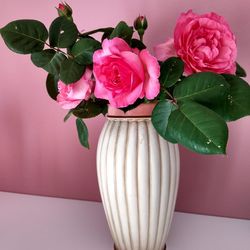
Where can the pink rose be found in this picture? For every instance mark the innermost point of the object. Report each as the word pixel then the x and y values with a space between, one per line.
pixel 205 43
pixel 123 75
pixel 71 95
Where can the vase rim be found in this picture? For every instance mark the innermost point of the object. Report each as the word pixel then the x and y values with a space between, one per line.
pixel 143 110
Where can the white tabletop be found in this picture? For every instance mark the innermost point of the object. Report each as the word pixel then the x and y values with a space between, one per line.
pixel 41 223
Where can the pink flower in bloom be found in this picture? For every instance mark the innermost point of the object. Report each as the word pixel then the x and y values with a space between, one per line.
pixel 123 75
pixel 204 42
pixel 71 95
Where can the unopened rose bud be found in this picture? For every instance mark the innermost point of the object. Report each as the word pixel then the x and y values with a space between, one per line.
pixel 64 10
pixel 141 24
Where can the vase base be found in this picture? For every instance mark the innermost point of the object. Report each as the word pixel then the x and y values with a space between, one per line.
pixel 164 248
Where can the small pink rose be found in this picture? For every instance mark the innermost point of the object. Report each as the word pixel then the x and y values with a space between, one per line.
pixel 204 42
pixel 71 95
pixel 123 75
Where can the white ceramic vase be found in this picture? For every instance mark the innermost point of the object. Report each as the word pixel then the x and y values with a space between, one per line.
pixel 138 175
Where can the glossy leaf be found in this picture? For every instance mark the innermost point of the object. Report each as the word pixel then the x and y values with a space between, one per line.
pixel 62 33
pixel 71 71
pixel 82 131
pixel 49 60
pixel 160 118
pixel 123 31
pixel 205 86
pixel 236 102
pixel 51 86
pixel 83 50
pixel 240 71
pixel 25 36
pixel 171 71
pixel 198 128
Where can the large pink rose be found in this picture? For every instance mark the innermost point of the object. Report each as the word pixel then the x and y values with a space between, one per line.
pixel 204 42
pixel 71 95
pixel 123 75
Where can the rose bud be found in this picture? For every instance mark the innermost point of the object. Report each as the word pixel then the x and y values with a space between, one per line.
pixel 141 24
pixel 64 10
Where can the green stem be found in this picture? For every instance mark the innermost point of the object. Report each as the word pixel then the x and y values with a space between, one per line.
pixel 171 97
pixel 95 31
pixel 59 50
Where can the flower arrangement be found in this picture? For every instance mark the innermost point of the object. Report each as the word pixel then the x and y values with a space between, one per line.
pixel 193 78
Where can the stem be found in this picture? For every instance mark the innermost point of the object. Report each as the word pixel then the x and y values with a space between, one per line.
pixel 59 50
pixel 172 98
pixel 95 31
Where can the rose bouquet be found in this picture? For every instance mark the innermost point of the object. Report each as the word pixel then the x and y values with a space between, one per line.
pixel 193 79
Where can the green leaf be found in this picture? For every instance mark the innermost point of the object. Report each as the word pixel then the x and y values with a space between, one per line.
pixel 90 108
pixel 25 36
pixel 201 87
pixel 107 33
pixel 51 86
pixel 236 103
pixel 171 71
pixel 160 116
pixel 198 128
pixel 123 31
pixel 67 116
pixel 135 43
pixel 82 131
pixel 49 60
pixel 62 33
pixel 71 71
pixel 83 50
pixel 240 71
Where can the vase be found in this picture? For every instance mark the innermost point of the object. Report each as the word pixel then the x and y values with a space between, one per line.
pixel 138 176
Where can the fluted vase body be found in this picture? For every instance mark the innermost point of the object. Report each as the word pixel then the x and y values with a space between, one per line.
pixel 138 175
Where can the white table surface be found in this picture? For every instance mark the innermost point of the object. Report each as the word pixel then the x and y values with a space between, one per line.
pixel 42 223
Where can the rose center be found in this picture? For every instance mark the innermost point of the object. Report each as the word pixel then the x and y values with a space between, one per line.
pixel 115 76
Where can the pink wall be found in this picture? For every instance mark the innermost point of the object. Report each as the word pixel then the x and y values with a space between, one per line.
pixel 40 154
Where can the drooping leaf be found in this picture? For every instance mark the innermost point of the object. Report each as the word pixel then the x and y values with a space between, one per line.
pixel 198 128
pixel 51 86
pixel 132 106
pixel 82 131
pixel 200 87
pixel 160 117
pixel 240 71
pixel 171 71
pixel 71 71
pixel 62 33
pixel 90 108
pixel 49 60
pixel 123 31
pixel 83 50
pixel 25 36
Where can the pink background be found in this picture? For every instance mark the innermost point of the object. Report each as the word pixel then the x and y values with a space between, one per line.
pixel 39 154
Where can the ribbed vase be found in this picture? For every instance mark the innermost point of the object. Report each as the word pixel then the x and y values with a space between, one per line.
pixel 138 175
